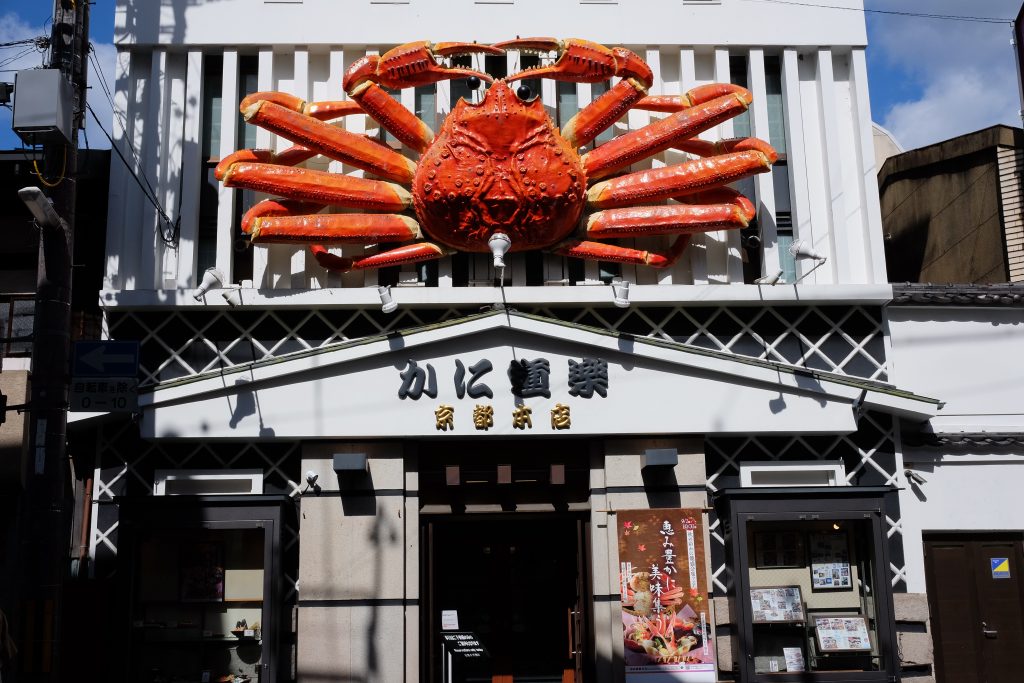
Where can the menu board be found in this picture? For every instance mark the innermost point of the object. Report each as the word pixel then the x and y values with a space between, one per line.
pixel 842 634
pixel 776 604
pixel 830 561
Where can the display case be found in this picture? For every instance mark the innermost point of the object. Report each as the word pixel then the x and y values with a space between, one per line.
pixel 202 583
pixel 812 599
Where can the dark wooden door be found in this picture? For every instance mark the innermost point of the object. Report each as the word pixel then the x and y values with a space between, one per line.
pixel 977 606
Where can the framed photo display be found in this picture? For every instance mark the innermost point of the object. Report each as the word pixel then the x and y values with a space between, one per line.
pixel 830 561
pixel 777 605
pixel 201 572
pixel 779 549
pixel 842 634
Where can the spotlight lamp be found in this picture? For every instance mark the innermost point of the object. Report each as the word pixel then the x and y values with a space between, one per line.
pixel 499 244
pixel 620 293
pixel 773 279
pixel 233 295
pixel 212 279
pixel 802 250
pixel 387 302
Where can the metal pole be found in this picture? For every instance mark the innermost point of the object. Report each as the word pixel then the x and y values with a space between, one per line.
pixel 1018 56
pixel 47 521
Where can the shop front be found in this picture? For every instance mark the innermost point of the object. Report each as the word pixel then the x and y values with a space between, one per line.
pixel 512 498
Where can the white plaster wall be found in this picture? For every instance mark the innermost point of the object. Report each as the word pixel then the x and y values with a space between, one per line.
pixel 369 22
pixel 977 491
pixel 968 357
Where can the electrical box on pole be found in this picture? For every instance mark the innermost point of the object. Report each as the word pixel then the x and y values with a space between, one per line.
pixel 43 107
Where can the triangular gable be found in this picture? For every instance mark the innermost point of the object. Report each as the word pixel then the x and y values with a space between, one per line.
pixel 352 389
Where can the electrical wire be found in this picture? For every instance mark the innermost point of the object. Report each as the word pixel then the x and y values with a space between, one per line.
pixel 118 116
pixel 921 15
pixel 169 238
pixel 63 170
pixel 122 123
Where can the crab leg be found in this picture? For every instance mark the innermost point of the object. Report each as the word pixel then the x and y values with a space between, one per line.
pixel 628 94
pixel 661 135
pixel 323 111
pixel 395 118
pixel 601 251
pixel 409 253
pixel 314 186
pixel 335 228
pixel 593 119
pixel 330 141
pixel 641 221
pixel 702 93
pixel 678 180
pixel 705 148
pixel 405 66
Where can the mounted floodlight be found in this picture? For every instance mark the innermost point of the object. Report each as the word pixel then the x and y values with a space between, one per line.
pixel 499 243
pixel 772 279
pixel 40 206
pixel 387 303
pixel 233 295
pixel 212 279
pixel 802 250
pixel 620 293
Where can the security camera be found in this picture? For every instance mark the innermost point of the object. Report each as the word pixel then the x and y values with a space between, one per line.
pixel 914 477
pixel 311 477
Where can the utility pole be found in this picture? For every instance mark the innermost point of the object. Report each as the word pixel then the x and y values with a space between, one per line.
pixel 46 518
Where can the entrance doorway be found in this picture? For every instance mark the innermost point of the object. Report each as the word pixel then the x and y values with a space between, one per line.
pixel 975 598
pixel 517 584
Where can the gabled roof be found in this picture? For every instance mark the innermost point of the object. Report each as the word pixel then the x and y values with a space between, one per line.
pixel 654 386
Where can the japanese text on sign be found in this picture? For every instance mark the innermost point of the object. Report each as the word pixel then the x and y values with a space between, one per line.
pixel 527 378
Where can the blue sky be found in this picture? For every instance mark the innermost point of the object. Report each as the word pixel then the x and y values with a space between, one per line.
pixel 930 79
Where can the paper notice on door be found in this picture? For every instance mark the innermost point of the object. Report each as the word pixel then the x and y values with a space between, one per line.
pixel 794 658
pixel 449 620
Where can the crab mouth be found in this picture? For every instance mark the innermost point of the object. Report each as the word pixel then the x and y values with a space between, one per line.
pixel 446 54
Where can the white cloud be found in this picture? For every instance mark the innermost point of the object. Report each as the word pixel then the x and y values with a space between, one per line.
pixel 13 59
pixel 964 71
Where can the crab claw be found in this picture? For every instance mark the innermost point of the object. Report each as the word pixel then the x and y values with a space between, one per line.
pixel 413 64
pixel 581 61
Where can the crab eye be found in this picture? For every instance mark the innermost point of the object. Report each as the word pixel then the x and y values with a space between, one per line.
pixel 473 82
pixel 524 93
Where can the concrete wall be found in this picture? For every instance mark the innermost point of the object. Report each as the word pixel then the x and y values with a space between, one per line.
pixel 944 216
pixel 14 431
pixel 352 571
pixel 359 568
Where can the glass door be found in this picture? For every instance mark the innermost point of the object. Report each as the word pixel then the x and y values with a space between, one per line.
pixel 514 585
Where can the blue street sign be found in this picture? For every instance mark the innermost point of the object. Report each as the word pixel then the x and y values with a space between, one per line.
pixel 105 359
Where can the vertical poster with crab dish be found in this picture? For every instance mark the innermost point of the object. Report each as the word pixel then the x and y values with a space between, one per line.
pixel 663 586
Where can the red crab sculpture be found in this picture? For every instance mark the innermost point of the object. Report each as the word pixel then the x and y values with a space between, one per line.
pixel 500 166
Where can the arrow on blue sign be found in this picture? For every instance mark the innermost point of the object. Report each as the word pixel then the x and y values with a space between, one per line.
pixel 106 359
